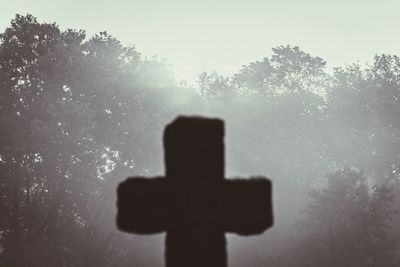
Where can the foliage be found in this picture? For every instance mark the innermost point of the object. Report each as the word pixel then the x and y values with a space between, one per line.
pixel 78 114
pixel 288 71
pixel 214 85
pixel 346 223
pixel 64 99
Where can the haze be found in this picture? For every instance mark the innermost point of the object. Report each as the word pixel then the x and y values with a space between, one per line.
pixel 81 112
pixel 196 36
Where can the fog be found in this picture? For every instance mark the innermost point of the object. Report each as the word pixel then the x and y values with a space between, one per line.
pixel 196 36
pixel 81 113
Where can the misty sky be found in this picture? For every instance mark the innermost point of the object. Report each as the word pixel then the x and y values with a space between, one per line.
pixel 196 36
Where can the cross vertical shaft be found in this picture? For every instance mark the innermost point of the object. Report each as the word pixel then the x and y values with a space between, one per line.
pixel 194 160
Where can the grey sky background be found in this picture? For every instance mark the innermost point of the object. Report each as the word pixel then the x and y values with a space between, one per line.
pixel 196 36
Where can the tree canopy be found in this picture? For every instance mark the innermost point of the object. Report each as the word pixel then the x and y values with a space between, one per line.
pixel 78 114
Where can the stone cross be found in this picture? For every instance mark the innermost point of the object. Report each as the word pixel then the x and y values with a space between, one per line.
pixel 194 204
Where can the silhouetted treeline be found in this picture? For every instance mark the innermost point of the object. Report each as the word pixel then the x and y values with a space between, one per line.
pixel 79 114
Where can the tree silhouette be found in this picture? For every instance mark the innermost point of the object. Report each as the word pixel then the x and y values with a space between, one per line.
pixel 80 113
pixel 346 223
pixel 64 103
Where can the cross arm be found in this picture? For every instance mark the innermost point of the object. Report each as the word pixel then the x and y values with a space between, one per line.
pixel 143 205
pixel 246 206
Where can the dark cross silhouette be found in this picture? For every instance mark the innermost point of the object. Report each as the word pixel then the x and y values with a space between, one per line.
pixel 194 204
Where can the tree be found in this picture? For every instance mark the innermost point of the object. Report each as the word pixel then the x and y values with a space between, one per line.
pixel 346 223
pixel 362 104
pixel 66 107
pixel 288 71
pixel 78 114
pixel 214 85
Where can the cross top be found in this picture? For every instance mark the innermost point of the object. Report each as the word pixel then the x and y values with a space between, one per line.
pixel 194 149
pixel 194 204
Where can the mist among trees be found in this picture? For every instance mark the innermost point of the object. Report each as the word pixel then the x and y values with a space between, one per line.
pixel 79 114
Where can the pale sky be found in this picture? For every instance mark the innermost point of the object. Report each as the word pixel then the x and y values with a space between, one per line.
pixel 204 35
